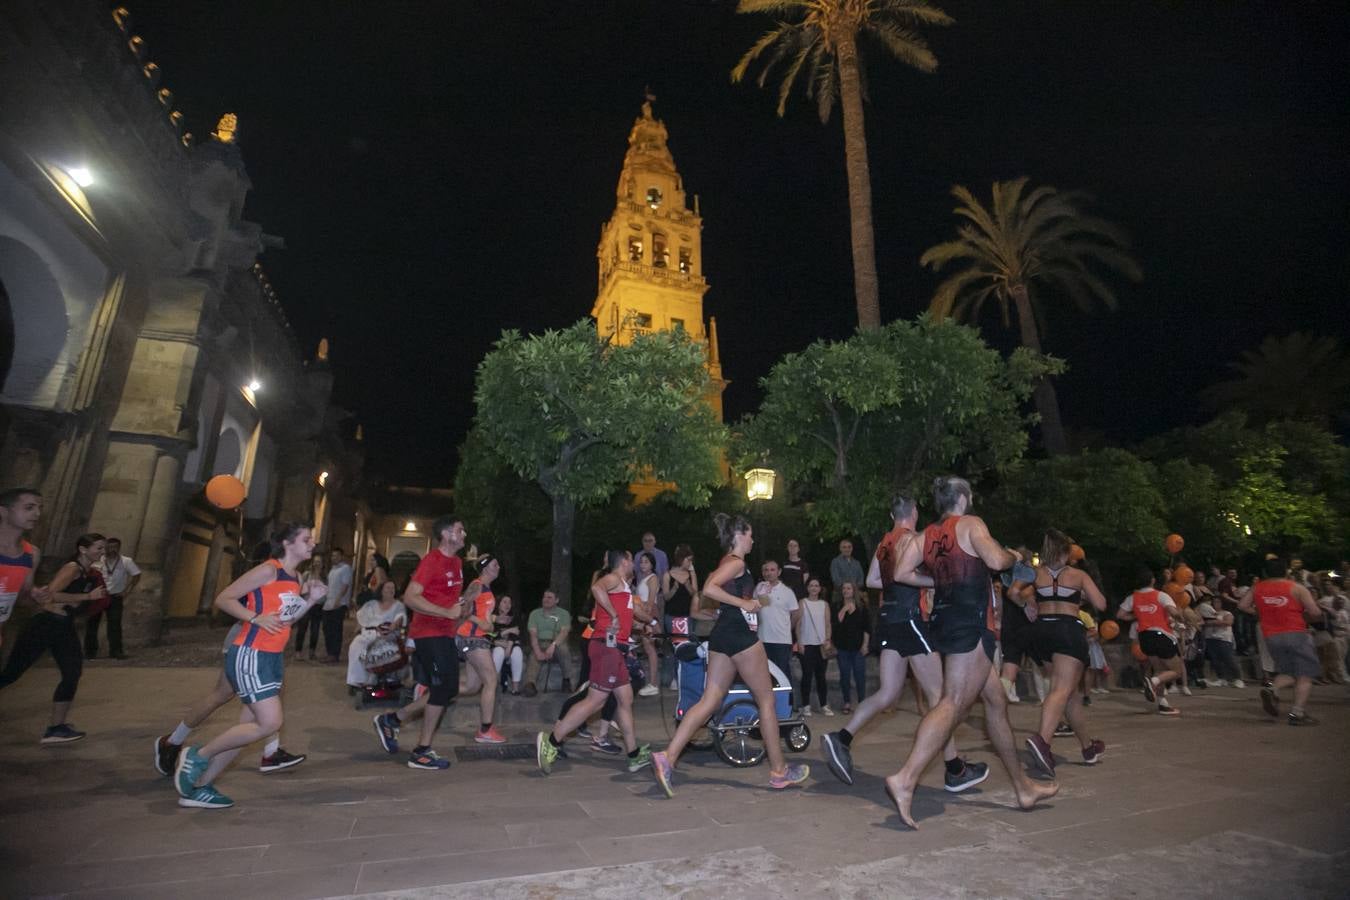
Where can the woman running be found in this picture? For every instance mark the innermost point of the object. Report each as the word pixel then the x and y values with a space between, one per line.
pixel 274 598
pixel 733 650
pixel 76 585
pixel 1058 638
pixel 474 639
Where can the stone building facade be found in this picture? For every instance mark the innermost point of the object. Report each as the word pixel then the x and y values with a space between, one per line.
pixel 142 349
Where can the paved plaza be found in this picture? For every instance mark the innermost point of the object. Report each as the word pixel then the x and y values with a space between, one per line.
pixel 1219 803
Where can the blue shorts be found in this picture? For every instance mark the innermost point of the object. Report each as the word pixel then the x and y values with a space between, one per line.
pixel 254 674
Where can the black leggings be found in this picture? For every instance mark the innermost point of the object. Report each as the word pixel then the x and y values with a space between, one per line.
pixel 813 667
pixel 47 631
pixel 583 679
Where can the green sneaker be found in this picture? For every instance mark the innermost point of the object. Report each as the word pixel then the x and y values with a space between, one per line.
pixel 190 768
pixel 545 753
pixel 642 760
pixel 206 797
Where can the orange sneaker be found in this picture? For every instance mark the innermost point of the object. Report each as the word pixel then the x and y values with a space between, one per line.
pixel 491 736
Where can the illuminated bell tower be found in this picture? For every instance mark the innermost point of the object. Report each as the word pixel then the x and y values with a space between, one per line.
pixel 651 252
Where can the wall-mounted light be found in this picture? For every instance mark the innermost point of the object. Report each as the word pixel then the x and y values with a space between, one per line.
pixel 81 176
pixel 323 479
pixel 409 526
pixel 255 385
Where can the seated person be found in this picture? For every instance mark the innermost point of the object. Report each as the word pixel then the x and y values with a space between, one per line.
pixel 385 617
pixel 507 644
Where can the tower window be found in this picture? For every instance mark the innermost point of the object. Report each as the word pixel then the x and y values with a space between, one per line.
pixel 686 260
pixel 642 321
pixel 660 252
pixel 677 324
pixel 635 249
pixel 653 197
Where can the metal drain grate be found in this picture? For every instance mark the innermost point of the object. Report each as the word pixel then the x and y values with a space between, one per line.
pixel 494 751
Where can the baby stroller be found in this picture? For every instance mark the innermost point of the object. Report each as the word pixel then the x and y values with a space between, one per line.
pixel 387 660
pixel 733 731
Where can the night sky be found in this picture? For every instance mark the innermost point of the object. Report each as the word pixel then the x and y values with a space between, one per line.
pixel 440 171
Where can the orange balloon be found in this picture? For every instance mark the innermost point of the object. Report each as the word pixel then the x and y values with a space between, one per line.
pixel 1174 543
pixel 1138 652
pixel 225 491
pixel 1183 574
pixel 1178 594
pixel 1076 554
pixel 1108 630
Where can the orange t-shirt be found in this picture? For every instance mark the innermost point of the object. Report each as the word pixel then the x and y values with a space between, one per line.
pixel 483 605
pixel 280 596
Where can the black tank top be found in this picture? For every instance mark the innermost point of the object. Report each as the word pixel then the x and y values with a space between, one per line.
pixel 1050 593
pixel 677 605
pixel 83 583
pixel 743 586
pixel 899 602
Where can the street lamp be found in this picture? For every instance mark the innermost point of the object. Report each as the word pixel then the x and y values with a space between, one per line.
pixel 759 484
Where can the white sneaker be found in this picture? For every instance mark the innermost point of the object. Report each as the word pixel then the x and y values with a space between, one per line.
pixel 1238 683
pixel 1011 690
pixel 650 690
pixel 826 710
pixel 806 712
pixel 674 684
pixel 1218 682
pixel 1186 689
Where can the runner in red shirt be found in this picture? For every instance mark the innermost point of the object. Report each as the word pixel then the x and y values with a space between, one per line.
pixel 1153 613
pixel 959 554
pixel 1285 608
pixel 613 623
pixel 433 594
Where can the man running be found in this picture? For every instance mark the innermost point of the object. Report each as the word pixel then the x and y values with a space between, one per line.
pixel 1285 608
pixel 1153 613
pixel 613 618
pixel 905 645
pixel 433 594
pixel 20 510
pixel 959 554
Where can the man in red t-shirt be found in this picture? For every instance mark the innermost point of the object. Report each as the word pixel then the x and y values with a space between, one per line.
pixel 433 594
pixel 1285 608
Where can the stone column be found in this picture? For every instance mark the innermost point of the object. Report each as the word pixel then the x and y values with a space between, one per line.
pixel 156 548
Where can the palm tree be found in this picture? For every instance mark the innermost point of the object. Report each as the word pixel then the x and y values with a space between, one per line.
pixel 1299 376
pixel 1039 238
pixel 823 40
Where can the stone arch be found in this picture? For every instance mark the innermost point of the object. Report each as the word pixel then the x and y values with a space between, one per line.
pixel 229 453
pixel 35 325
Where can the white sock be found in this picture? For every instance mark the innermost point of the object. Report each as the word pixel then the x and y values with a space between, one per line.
pixel 273 745
pixel 180 734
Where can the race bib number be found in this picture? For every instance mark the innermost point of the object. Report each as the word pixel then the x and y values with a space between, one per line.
pixel 751 619
pixel 291 605
pixel 7 606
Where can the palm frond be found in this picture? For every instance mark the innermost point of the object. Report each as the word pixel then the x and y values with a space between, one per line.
pixel 790 78
pixel 918 11
pixel 948 292
pixel 774 7
pixel 903 44
pixel 939 255
pixel 973 210
pixel 766 40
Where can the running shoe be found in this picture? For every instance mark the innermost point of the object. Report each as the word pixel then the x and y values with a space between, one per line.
pixel 1238 683
pixel 166 755
pixel 280 760
pixel 825 710
pixel 1186 689
pixel 427 759
pixel 605 745
pixel 664 772
pixel 491 736
pixel 61 734
pixel 584 731
pixel 806 711
pixel 642 760
pixel 1010 689
pixel 794 775
pixel 545 754
pixel 1304 719
pixel 972 774
pixel 838 758
pixel 1093 753
pixel 650 690
pixel 1040 752
pixel 189 768
pixel 1063 729
pixel 1215 682
pixel 206 797
pixel 1151 689
pixel 386 729
pixel 1166 709
pixel 1269 702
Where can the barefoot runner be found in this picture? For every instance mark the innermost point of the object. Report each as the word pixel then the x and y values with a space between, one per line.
pixel 959 554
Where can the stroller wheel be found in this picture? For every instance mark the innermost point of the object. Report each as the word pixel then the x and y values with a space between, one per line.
pixel 736 735
pixel 798 738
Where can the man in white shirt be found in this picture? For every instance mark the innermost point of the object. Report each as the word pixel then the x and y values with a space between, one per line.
pixel 779 616
pixel 335 605
pixel 120 576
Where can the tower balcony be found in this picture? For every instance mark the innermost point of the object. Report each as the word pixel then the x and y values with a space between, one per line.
pixel 660 274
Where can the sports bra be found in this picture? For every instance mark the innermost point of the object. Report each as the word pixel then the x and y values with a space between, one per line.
pixel 1053 592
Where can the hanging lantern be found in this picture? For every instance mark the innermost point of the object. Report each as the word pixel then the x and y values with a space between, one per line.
pixel 759 484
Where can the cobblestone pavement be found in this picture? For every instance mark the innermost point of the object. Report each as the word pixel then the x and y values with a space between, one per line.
pixel 1221 802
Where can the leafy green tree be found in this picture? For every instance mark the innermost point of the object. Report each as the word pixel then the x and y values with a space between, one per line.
pixel 1039 240
pixel 502 513
pixel 850 423
pixel 582 418
pixel 1107 500
pixel 1299 376
pixel 1200 507
pixel 822 42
